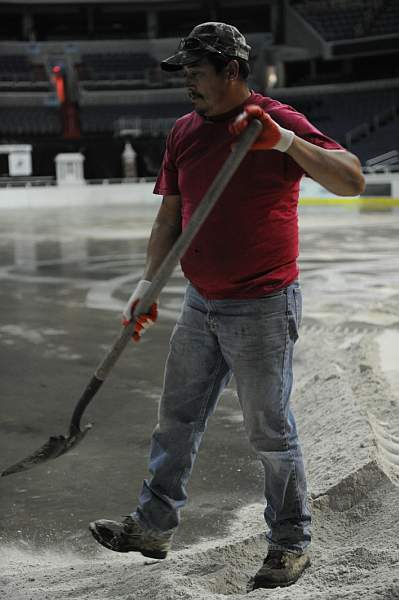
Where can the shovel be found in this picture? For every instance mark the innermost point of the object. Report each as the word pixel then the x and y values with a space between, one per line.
pixel 58 445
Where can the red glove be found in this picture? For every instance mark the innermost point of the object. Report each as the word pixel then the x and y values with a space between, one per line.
pixel 142 321
pixel 272 137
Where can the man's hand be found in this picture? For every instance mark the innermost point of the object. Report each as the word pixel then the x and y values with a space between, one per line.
pixel 144 321
pixel 272 137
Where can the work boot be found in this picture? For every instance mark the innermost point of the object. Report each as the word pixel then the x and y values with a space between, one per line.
pixel 279 569
pixel 129 536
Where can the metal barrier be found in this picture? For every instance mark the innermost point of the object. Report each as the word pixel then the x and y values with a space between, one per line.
pixel 27 182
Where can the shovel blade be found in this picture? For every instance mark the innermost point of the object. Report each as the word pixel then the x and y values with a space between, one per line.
pixel 54 447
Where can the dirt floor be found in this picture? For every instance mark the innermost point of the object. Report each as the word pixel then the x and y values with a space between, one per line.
pixel 65 275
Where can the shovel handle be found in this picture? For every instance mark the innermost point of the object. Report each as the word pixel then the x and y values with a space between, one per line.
pixel 243 144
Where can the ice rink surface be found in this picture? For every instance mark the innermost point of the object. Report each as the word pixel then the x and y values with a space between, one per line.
pixel 65 276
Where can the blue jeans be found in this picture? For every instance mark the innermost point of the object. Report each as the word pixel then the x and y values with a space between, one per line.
pixel 213 339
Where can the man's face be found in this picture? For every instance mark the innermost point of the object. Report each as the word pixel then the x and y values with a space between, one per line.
pixel 207 90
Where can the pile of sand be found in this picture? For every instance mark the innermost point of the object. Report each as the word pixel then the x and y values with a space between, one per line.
pixel 347 414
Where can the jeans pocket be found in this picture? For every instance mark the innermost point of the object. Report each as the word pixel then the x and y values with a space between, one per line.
pixel 292 327
pixel 298 305
pixel 294 313
pixel 273 304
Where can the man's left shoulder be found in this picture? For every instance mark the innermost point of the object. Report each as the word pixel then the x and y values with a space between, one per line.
pixel 284 114
pixel 265 102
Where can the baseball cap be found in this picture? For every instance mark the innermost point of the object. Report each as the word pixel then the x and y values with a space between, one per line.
pixel 216 38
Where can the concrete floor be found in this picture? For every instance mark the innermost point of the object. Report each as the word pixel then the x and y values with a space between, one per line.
pixel 65 275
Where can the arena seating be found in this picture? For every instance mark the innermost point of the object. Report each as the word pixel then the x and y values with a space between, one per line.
pixel 130 70
pixel 359 112
pixel 30 120
pixel 16 71
pixel 337 114
pixel 378 142
pixel 101 119
pixel 387 21
pixel 117 85
pixel 118 65
pixel 117 68
pixel 338 20
pixel 365 122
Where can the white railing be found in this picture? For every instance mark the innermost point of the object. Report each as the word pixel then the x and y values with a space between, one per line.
pixel 357 132
pixel 364 129
pixel 29 182
pixel 137 126
pixel 387 162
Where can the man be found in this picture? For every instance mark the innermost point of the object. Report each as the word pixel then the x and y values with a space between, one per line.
pixel 242 307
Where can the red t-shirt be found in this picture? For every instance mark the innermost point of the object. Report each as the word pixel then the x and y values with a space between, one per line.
pixel 248 245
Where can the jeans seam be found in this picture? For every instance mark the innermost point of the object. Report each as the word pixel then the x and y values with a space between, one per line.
pixel 202 411
pixel 283 369
pixel 298 312
pixel 211 388
pixel 284 421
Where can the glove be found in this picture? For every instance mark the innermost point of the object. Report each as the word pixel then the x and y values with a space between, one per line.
pixel 144 321
pixel 272 137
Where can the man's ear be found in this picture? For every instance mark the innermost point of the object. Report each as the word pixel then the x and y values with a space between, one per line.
pixel 232 69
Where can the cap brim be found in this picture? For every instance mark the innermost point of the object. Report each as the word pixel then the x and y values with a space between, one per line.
pixel 181 59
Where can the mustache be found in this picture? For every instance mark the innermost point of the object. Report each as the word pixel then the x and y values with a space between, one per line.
pixel 193 94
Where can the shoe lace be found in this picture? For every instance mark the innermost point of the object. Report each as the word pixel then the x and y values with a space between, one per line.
pixel 274 559
pixel 131 527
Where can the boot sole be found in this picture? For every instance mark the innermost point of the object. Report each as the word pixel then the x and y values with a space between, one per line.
pixel 159 554
pixel 273 585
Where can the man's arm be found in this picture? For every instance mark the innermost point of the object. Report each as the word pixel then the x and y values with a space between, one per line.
pixel 165 231
pixel 338 171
